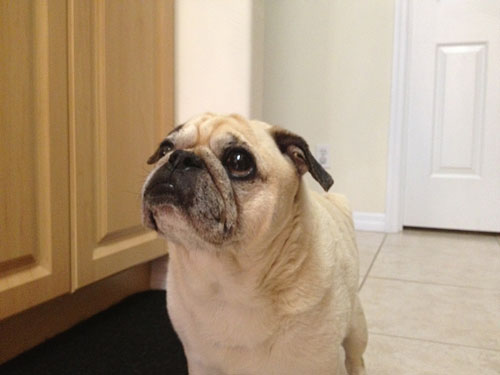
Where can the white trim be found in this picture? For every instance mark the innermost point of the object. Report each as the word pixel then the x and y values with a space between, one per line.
pixel 369 221
pixel 396 164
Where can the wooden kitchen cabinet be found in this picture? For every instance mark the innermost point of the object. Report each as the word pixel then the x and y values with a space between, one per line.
pixel 121 104
pixel 34 154
pixel 86 93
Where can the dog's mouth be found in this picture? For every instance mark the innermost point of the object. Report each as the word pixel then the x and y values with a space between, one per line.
pixel 150 214
pixel 148 217
pixel 157 198
pixel 152 221
pixel 159 193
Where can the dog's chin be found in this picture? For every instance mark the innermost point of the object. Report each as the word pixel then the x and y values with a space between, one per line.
pixel 154 215
pixel 169 223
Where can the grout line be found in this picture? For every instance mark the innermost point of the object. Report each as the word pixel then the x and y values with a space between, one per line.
pixel 434 341
pixel 434 283
pixel 373 261
pixel 498 238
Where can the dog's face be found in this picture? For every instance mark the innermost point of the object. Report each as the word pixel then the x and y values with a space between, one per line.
pixel 222 180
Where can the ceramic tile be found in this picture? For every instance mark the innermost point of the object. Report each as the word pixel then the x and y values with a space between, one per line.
pixel 369 238
pixel 435 239
pixel 368 244
pixel 391 355
pixel 460 260
pixel 448 314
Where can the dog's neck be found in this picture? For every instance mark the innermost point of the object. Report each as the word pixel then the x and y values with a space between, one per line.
pixel 270 269
pixel 287 256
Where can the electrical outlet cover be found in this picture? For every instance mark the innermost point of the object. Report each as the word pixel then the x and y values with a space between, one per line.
pixel 323 155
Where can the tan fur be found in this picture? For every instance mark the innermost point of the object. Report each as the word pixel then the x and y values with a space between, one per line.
pixel 280 295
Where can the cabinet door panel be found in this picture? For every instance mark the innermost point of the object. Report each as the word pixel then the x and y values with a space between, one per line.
pixel 34 188
pixel 121 90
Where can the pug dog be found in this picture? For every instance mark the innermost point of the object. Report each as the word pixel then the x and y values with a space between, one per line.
pixel 263 272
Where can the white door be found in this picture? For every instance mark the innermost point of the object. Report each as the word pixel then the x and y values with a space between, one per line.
pixel 453 150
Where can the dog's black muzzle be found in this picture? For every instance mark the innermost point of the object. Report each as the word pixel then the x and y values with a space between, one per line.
pixel 175 181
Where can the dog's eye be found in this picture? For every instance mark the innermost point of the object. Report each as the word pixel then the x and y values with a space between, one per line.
pixel 239 163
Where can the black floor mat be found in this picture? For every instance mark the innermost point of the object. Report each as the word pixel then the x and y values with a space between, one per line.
pixel 132 337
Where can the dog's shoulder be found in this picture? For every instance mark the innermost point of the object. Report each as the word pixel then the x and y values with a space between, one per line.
pixel 336 214
pixel 340 202
pixel 337 205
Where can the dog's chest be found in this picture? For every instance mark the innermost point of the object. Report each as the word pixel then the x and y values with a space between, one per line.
pixel 213 307
pixel 227 330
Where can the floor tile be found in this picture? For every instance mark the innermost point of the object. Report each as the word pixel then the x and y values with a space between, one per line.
pixel 368 244
pixel 436 238
pixel 369 238
pixel 448 314
pixel 391 355
pixel 460 260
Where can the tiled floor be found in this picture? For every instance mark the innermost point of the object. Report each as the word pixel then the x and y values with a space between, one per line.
pixel 432 302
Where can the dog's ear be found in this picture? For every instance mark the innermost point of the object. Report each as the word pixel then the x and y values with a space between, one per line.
pixel 155 157
pixel 298 151
pixel 163 148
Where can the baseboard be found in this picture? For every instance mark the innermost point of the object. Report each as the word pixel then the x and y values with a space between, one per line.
pixel 369 221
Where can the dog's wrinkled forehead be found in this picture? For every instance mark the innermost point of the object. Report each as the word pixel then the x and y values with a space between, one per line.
pixel 213 131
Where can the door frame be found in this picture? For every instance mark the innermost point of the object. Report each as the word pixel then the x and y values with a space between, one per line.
pixel 398 127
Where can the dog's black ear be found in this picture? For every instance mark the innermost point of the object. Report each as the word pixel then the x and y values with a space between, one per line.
pixel 155 157
pixel 164 147
pixel 298 151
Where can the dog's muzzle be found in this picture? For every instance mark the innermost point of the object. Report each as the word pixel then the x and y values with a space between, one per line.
pixel 172 184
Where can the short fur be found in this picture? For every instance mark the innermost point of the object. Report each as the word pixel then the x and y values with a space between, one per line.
pixel 263 273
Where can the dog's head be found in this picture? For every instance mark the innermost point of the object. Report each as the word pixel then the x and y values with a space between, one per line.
pixel 225 180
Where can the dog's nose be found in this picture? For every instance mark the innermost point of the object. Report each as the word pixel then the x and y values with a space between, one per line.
pixel 181 159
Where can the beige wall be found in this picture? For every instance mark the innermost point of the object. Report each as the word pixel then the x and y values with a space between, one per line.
pixel 327 76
